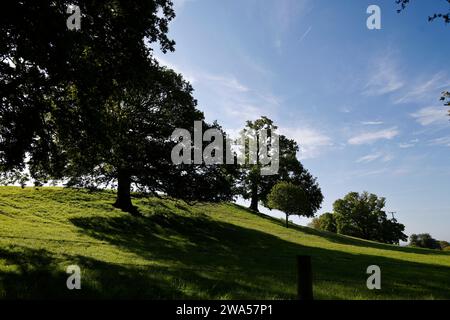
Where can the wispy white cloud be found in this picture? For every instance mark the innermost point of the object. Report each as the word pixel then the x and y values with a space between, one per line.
pixel 372 123
pixel 365 173
pixel 387 157
pixel 443 141
pixel 311 141
pixel 431 115
pixel 281 15
pixel 406 145
pixel 233 99
pixel 384 157
pixel 409 144
pixel 427 90
pixel 345 109
pixel 369 158
pixel 240 103
pixel 286 12
pixel 402 171
pixel 373 136
pixel 226 81
pixel 384 77
pixel 243 111
pixel 254 64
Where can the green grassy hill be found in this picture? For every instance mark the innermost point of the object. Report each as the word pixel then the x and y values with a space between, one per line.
pixel 176 250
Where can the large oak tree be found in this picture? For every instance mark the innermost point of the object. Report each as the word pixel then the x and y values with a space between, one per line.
pixel 41 61
pixel 92 105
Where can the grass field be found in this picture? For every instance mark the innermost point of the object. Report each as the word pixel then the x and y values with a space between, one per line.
pixel 204 251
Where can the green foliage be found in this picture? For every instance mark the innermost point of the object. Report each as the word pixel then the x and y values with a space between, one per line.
pixel 52 78
pixel 325 222
pixel 444 244
pixel 363 216
pixel 288 198
pixel 138 149
pixel 92 107
pixel 180 251
pixel 424 240
pixel 252 185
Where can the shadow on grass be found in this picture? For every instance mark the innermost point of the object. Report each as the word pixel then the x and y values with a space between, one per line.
pixel 203 258
pixel 224 260
pixel 39 276
pixel 341 239
pixel 32 269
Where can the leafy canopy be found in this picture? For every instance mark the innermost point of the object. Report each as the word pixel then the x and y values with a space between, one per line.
pixel 289 198
pixel 52 78
pixel 425 240
pixel 252 185
pixel 325 222
pixel 92 106
pixel 363 216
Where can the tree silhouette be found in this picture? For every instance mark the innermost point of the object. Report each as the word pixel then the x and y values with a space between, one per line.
pixel 363 216
pixel 92 105
pixel 288 198
pixel 256 187
pixel 442 15
pixel 424 240
pixel 41 62
pixel 136 149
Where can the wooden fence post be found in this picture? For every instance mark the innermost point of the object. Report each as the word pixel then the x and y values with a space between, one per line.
pixel 304 278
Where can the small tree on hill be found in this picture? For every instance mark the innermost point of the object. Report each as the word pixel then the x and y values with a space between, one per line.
pixel 289 198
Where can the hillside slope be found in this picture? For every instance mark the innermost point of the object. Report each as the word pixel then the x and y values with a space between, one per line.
pixel 176 250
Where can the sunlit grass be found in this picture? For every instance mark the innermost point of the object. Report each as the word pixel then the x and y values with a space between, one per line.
pixel 204 251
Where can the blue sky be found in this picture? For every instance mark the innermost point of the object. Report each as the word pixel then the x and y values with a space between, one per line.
pixel 362 104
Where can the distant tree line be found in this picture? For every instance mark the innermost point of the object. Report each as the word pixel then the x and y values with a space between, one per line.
pixel 361 215
pixel 425 240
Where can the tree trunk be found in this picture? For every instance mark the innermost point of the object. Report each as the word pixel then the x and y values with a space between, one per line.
pixel 287 221
pixel 123 200
pixel 254 199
